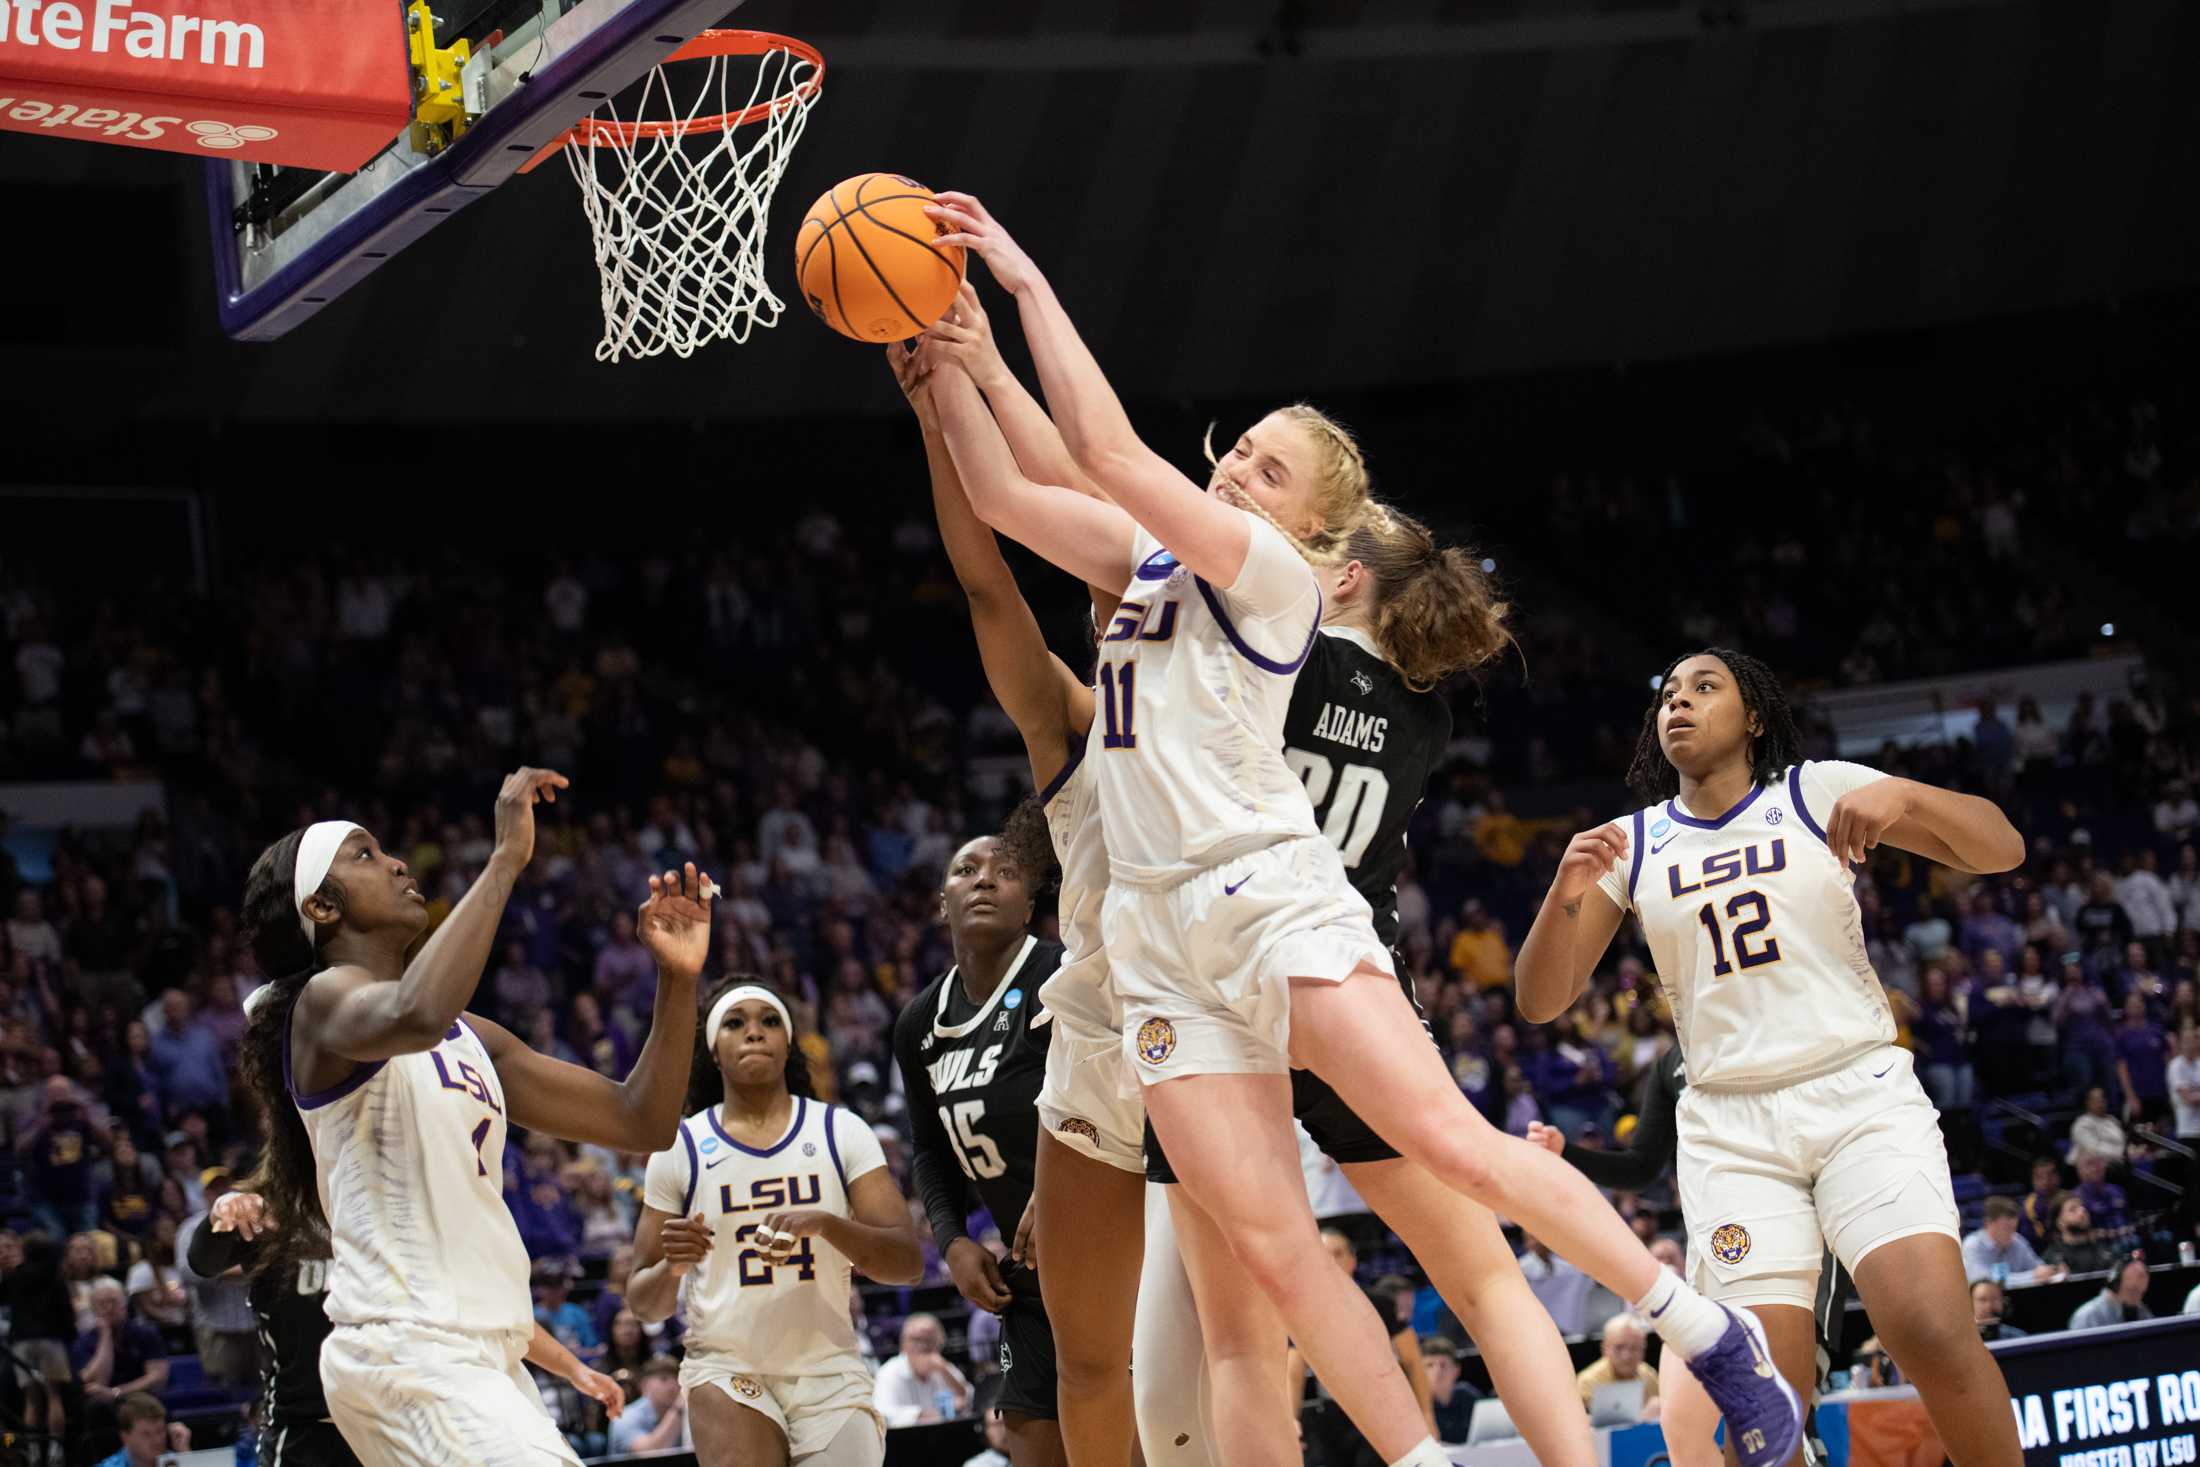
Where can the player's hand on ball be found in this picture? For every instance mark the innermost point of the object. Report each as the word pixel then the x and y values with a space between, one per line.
pixel 964 336
pixel 1550 1138
pixel 601 1389
pixel 1590 856
pixel 778 1234
pixel 977 1274
pixel 686 1241
pixel 912 375
pixel 978 231
pixel 516 811
pixel 242 1213
pixel 1861 816
pixel 675 922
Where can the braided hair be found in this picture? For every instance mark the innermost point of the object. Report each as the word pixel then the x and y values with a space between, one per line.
pixel 1774 747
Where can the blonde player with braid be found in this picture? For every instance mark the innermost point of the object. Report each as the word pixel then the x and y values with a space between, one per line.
pixel 1237 942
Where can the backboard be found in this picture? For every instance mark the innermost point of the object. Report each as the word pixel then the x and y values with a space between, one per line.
pixel 287 241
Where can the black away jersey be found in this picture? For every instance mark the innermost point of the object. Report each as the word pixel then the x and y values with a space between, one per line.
pixel 1365 744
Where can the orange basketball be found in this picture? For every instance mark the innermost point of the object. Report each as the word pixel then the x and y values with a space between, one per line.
pixel 867 261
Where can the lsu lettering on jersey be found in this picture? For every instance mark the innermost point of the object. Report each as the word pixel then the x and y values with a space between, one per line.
pixel 1192 686
pixel 767 1318
pixel 409 1154
pixel 1753 926
pixel 1079 990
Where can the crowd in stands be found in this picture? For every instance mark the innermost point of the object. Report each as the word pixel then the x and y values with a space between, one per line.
pixel 811 729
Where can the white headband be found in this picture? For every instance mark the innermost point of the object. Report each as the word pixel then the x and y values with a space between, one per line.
pixel 316 853
pixel 732 996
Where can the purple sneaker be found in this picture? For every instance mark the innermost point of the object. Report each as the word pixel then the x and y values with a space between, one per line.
pixel 1764 1421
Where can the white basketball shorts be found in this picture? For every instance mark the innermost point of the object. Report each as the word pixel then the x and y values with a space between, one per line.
pixel 1770 1179
pixel 407 1395
pixel 1089 1099
pixel 1203 969
pixel 810 1410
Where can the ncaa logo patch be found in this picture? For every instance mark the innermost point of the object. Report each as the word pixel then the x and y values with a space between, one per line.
pixel 707 1145
pixel 1775 815
pixel 1156 1041
pixel 1012 998
pixel 1008 1361
pixel 1730 1243
pixel 1660 828
pixel 743 1386
pixel 1076 1126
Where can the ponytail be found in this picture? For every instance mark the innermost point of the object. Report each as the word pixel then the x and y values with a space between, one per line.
pixel 1436 610
pixel 285 1178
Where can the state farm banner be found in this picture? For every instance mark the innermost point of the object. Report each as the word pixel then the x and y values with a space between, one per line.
pixel 311 83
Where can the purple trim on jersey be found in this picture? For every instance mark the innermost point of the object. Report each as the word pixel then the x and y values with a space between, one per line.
pixel 1214 604
pixel 832 1149
pixel 1673 808
pixel 1634 868
pixel 361 1073
pixel 695 1171
pixel 1054 785
pixel 794 1128
pixel 1795 798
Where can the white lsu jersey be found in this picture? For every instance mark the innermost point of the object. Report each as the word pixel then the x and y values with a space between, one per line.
pixel 757 1317
pixel 409 1154
pixel 1192 687
pixel 1753 927
pixel 1081 987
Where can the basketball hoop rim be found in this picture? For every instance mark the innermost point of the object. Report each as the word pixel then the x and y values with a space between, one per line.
pixel 595 132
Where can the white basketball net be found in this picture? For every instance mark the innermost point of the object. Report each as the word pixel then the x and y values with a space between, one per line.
pixel 679 215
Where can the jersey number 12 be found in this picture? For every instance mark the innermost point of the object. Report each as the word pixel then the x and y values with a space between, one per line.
pixel 1745 956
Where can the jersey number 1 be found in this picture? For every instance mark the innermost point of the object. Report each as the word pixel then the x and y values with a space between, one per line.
pixel 1744 955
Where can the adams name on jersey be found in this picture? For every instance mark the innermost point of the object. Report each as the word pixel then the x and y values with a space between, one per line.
pixel 766 1318
pixel 1364 744
pixel 1753 927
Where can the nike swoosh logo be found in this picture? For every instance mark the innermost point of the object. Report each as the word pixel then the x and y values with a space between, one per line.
pixel 1232 889
pixel 720 1162
pixel 1659 1312
pixel 1661 845
pixel 1890 1066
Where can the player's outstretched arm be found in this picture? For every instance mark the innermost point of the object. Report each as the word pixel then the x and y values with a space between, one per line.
pixel 1649 1153
pixel 965 336
pixel 1202 532
pixel 1572 928
pixel 1089 538
pixel 642 1112
pixel 350 1012
pixel 1960 831
pixel 1040 695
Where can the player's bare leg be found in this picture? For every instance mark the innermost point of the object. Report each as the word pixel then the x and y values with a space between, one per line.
pixel 1090 1234
pixel 1913 1289
pixel 1459 1244
pixel 1686 1416
pixel 1236 1158
pixel 729 1434
pixel 1033 1441
pixel 1791 1332
pixel 1244 1345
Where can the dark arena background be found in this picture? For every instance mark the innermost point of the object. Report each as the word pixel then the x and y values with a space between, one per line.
pixel 1857 334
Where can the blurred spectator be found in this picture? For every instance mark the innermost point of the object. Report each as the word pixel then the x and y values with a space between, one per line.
pixel 2122 1301
pixel 186 1060
pixel 2144 896
pixel 41 1318
pixel 221 1308
pixel 1942 1037
pixel 2096 1132
pixel 148 1436
pixel 1449 1395
pixel 655 1421
pixel 1996 1251
pixel 155 1287
pixel 921 1383
pixel 2102 922
pixel 2104 1201
pixel 2037 1222
pixel 1562 1289
pixel 1626 1338
pixel 2182 1078
pixel 30 935
pixel 1987 1302
pixel 996 1443
pixel 63 1153
pixel 2142 1063
pixel 128 1183
pixel 118 1354
pixel 556 1311
pixel 1479 952
pixel 2073 1245
pixel 2081 1017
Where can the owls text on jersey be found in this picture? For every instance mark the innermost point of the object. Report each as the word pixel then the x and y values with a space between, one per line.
pixel 409 1153
pixel 1192 686
pixel 787 1318
pixel 1365 744
pixel 1754 930
pixel 972 1074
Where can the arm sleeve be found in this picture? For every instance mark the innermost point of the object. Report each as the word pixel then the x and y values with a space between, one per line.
pixel 1275 600
pixel 938 1175
pixel 665 1181
pixel 210 1254
pixel 860 1153
pixel 1650 1150
pixel 187 1244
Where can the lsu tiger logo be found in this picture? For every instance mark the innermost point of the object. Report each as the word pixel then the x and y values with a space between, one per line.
pixel 1730 1243
pixel 1156 1041
pixel 746 1388
pixel 1084 1129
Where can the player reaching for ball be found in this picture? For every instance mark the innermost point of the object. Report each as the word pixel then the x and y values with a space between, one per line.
pixel 1803 1127
pixel 387 1105
pixel 751 1226
pixel 1237 944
